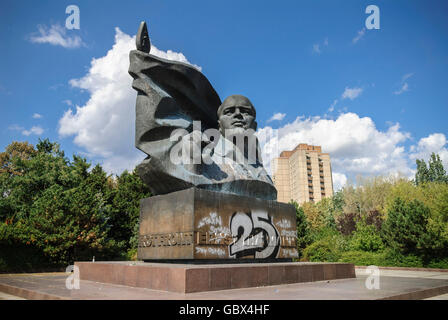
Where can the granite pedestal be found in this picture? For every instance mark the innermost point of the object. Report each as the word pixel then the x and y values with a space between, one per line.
pixel 198 224
pixel 199 240
pixel 187 278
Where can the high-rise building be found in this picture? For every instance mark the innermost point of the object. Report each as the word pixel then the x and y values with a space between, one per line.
pixel 302 175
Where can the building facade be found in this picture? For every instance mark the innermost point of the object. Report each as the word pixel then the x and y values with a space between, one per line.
pixel 302 175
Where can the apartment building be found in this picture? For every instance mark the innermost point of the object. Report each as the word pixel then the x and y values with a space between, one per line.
pixel 302 175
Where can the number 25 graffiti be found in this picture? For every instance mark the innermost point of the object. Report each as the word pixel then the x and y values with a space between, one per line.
pixel 255 234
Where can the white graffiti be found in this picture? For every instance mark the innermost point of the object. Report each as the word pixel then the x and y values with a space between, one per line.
pixel 218 237
pixel 210 250
pixel 290 241
pixel 214 222
pixel 255 234
pixel 290 253
pixel 220 232
pixel 201 250
pixel 212 219
pixel 284 223
pixel 289 233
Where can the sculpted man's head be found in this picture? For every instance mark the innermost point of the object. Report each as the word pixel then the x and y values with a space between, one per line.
pixel 236 114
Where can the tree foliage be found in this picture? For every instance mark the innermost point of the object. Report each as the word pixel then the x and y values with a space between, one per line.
pixel 384 221
pixel 406 227
pixel 303 229
pixel 62 209
pixel 433 172
pixel 54 211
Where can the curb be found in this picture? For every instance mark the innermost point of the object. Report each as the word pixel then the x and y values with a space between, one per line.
pixel 28 294
pixel 419 295
pixel 407 269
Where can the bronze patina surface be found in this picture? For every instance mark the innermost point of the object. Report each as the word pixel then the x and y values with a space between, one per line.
pixel 202 224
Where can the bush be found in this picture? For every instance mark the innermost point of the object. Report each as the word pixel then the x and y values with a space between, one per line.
pixel 390 258
pixel 364 258
pixel 322 250
pixel 19 258
pixel 346 223
pixel 405 229
pixel 366 238
pixel 439 264
pixel 326 249
pixel 375 218
pixel 131 255
pixel 395 258
pixel 303 230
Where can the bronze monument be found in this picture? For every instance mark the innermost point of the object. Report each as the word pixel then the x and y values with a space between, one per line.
pixel 213 199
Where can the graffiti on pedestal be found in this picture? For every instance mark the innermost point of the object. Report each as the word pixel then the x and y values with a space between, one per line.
pixel 254 234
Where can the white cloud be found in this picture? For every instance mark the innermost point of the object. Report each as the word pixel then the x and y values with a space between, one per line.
pixel 68 102
pixel 339 180
pixel 36 130
pixel 317 48
pixel 57 36
pixel 351 93
pixel 359 35
pixel 277 117
pixel 105 126
pixel 436 143
pixel 56 86
pixel 15 127
pixel 171 55
pixel 355 145
pixel 331 109
pixel 407 76
pixel 403 88
pixel 37 116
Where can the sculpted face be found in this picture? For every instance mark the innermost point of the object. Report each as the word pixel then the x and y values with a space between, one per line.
pixel 236 114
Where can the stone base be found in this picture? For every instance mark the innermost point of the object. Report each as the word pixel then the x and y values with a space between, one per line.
pixel 184 278
pixel 197 224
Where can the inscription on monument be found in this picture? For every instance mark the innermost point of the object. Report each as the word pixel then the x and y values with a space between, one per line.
pixel 215 225
pixel 251 234
pixel 167 239
pixel 206 238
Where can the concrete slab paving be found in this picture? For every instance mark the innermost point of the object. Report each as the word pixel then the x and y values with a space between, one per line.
pixel 5 296
pixel 393 284
pixel 406 274
pixel 441 297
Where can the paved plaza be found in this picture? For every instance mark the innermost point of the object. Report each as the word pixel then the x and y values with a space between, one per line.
pixel 393 284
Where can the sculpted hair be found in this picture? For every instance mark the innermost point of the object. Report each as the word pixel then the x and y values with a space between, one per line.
pixel 233 99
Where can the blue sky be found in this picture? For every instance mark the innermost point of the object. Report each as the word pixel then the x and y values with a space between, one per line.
pixel 374 99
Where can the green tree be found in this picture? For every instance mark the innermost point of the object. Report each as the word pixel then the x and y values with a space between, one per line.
pixel 303 232
pixel 434 172
pixel 315 218
pixel 54 206
pixel 366 238
pixel 327 210
pixel 128 191
pixel 90 207
pixel 422 174
pixel 406 227
pixel 16 151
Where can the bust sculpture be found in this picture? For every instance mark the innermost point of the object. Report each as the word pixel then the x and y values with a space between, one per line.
pixel 191 138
